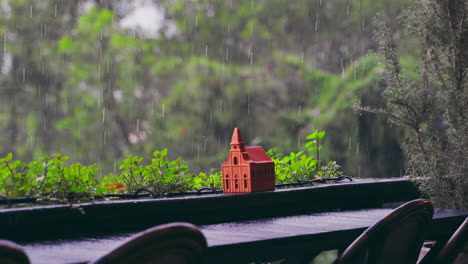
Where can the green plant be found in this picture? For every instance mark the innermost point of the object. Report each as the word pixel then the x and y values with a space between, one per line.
pixel 13 177
pixel 303 165
pixel 212 180
pixel 48 178
pixel 314 146
pixel 160 177
pixel 71 183
pixel 432 106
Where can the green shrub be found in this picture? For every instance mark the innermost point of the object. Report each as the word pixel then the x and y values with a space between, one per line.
pixel 160 177
pixel 48 178
pixel 303 165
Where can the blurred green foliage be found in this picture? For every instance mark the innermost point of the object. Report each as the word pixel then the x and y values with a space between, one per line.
pixel 78 82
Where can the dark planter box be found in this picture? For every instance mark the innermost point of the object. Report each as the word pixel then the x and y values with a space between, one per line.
pixel 60 221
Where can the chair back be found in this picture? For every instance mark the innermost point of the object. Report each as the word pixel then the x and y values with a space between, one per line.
pixel 11 253
pixel 179 243
pixel 454 251
pixel 396 238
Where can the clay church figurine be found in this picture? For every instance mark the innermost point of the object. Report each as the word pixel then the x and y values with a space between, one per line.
pixel 248 169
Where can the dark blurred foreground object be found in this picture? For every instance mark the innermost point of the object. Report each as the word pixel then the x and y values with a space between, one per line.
pixel 454 251
pixel 397 238
pixel 11 253
pixel 170 243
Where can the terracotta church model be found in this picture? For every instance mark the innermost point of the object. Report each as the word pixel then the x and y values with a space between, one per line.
pixel 248 169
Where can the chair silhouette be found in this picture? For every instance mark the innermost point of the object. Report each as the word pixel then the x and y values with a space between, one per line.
pixel 11 253
pixel 169 243
pixel 396 238
pixel 454 251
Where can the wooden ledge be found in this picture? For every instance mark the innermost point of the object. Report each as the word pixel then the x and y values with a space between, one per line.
pixel 61 221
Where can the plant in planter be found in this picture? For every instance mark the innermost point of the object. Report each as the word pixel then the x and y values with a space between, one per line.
pixel 14 179
pixel 52 179
pixel 304 165
pixel 73 183
pixel 211 180
pixel 160 177
pixel 48 178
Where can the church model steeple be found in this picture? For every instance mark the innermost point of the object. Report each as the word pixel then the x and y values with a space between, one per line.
pixel 237 143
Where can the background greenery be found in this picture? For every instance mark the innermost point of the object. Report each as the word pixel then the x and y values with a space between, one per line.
pixel 74 80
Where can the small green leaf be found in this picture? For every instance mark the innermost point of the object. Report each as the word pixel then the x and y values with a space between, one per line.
pixel 7 158
pixel 164 152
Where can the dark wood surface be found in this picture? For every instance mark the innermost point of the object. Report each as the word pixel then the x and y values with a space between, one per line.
pixel 260 239
pixel 65 221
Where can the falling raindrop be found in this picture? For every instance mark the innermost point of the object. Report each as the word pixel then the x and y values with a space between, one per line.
pixel 196 20
pixel 357 148
pixel 349 143
pixel 205 143
pixel 342 67
pixel 152 108
pixel 43 123
pixel 103 115
pixel 163 110
pixel 347 10
pixel 300 110
pixel 24 75
pixel 30 10
pixel 222 78
pixel 4 42
pixel 138 126
pixel 198 150
pixel 316 23
pixel 32 142
pixel 302 57
pixel 206 50
pixel 55 10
